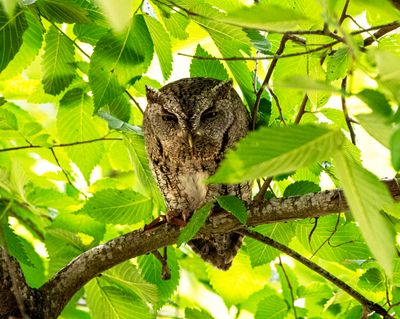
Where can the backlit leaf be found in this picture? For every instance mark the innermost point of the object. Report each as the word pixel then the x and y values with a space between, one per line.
pixel 12 29
pixel 58 62
pixel 277 150
pixel 207 68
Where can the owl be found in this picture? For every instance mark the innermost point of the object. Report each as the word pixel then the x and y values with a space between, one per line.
pixel 188 126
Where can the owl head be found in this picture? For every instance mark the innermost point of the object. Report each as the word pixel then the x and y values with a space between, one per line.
pixel 194 117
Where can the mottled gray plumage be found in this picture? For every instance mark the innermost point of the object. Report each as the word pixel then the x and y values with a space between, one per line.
pixel 188 125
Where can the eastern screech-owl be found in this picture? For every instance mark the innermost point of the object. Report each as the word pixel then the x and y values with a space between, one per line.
pixel 188 125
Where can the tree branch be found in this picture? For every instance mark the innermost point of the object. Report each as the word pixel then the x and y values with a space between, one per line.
pixel 59 290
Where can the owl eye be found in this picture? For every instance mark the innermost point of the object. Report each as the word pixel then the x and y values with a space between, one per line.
pixel 208 115
pixel 169 117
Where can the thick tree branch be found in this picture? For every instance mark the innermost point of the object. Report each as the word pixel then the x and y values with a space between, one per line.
pixel 58 291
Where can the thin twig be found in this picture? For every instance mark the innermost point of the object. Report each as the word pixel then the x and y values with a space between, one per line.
pixel 61 145
pixel 318 269
pixel 263 189
pixel 327 239
pixel 301 110
pixel 165 271
pixel 65 172
pixel 346 113
pixel 289 286
pixel 344 12
pixel 277 104
pixel 266 80
pixel 380 33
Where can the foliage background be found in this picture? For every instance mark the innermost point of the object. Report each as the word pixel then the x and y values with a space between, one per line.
pixel 73 171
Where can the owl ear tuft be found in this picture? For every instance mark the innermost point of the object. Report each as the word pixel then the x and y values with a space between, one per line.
pixel 152 94
pixel 223 88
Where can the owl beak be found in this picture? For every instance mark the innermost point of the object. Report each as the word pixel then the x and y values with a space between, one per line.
pixel 190 140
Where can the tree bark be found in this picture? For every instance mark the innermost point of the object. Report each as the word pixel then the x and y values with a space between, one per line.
pixel 49 300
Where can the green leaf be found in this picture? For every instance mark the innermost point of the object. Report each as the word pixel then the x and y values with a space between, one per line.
pixel 76 124
pixel 151 272
pixel 135 144
pixel 259 41
pixel 235 206
pixel 12 243
pixel 108 302
pixel 51 198
pixel 367 197
pixel 388 75
pixel 332 240
pixel 118 13
pixel 395 149
pixel 207 68
pixel 265 16
pixel 277 150
pixel 162 44
pixel 376 101
pixel 31 44
pixel 8 121
pixel 120 108
pixel 117 58
pixel 197 314
pixel 176 23
pixel 90 32
pixel 260 253
pixel 58 62
pixel 301 188
pixel 127 277
pixel 195 223
pixel 61 11
pixel 377 126
pixel 272 307
pixel 306 83
pixel 118 207
pixel 11 35
pixel 338 64
pixel 372 280
pixel 9 6
pixel 247 280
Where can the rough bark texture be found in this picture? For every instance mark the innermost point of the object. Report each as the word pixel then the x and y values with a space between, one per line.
pixel 52 297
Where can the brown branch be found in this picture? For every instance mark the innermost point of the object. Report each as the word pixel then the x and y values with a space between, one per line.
pixel 302 109
pixel 344 15
pixel 345 111
pixel 58 291
pixel 380 33
pixel 263 189
pixel 266 80
pixel 61 145
pixel 372 306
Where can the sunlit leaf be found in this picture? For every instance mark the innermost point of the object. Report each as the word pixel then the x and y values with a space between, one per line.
pixel 277 150
pixel 12 29
pixel 126 276
pixel 109 302
pixel 272 307
pixel 367 197
pixel 151 271
pixel 63 11
pixel 373 280
pixel 395 149
pixel 75 124
pixel 207 68
pixel 162 44
pixel 265 16
pixel 338 64
pixel 118 207
pixel 58 62
pixel 195 223
pixel 118 13
pixel 377 126
pixel 376 101
pixel 235 206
